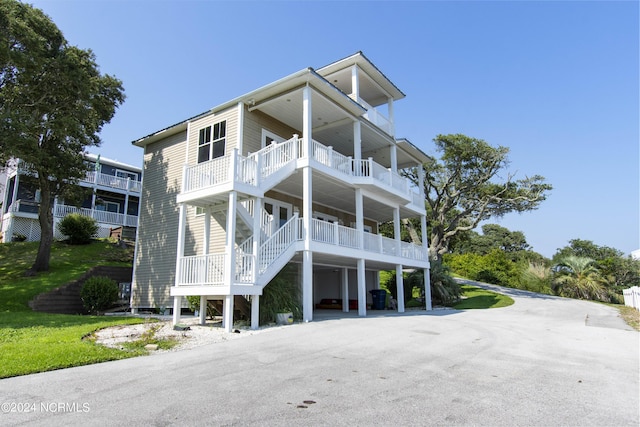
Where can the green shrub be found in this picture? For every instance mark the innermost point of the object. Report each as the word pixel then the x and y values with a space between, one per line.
pixel 79 228
pixel 282 294
pixel 99 293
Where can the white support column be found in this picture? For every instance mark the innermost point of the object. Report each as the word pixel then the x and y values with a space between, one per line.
pixel 126 203
pixel 362 289
pixel 255 311
pixel 396 230
pixel 307 286
pixel 230 250
pixel 426 271
pixel 357 140
pixel 307 121
pixel 360 218
pixel 203 309
pixel 345 290
pixel 355 83
pixel 400 288
pixel 257 234
pixel 177 306
pixel 427 289
pixel 392 121
pixel 207 231
pixel 227 314
pixel 394 157
pixel 16 184
pixel 230 261
pixel 182 221
pixel 421 180
pixel 307 256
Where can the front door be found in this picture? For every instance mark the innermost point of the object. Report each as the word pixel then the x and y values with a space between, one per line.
pixel 280 213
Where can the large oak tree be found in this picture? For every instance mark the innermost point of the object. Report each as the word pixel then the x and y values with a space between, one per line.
pixel 464 187
pixel 53 103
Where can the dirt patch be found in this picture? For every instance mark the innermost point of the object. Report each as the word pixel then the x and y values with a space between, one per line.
pixel 192 334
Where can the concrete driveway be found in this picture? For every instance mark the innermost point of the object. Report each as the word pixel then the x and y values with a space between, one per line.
pixel 543 361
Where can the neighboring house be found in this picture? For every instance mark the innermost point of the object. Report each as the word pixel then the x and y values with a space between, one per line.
pixel 113 198
pixel 300 172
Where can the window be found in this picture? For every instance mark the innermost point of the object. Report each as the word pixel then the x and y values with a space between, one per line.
pixel 211 142
pixel 269 138
pixel 108 206
pixel 126 174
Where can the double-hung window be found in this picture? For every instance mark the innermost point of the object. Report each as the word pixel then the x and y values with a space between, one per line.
pixel 211 141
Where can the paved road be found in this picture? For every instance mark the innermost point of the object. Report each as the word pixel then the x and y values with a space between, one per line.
pixel 543 361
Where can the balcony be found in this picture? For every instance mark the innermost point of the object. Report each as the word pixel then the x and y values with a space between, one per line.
pixel 261 170
pixel 209 270
pixel 104 217
pixel 111 181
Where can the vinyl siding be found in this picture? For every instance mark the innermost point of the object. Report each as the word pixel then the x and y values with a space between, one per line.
pixel 158 222
pixel 254 122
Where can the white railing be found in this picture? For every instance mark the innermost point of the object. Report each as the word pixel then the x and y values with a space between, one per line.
pixel 207 174
pixel 209 269
pixel 375 117
pixel 112 181
pixel 278 243
pixel 104 217
pixel 202 270
pixel 275 156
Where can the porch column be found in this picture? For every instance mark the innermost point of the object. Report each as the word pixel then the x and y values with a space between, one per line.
pixel 230 261
pixel 126 203
pixel 396 231
pixel 255 311
pixel 177 306
pixel 355 82
pixel 182 223
pixel 421 180
pixel 307 255
pixel 257 235
pixel 392 122
pixel 426 271
pixel 207 231
pixel 16 183
pixel 203 309
pixel 360 218
pixel 345 290
pixel 394 157
pixel 362 289
pixel 400 288
pixel 227 314
pixel 307 121
pixel 357 140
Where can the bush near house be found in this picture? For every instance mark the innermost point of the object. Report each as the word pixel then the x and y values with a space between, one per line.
pixel 79 228
pixel 98 294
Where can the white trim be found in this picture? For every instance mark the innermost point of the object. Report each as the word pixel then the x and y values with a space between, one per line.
pixel 265 133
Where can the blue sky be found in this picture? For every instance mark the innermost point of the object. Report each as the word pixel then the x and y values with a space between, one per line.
pixel 556 82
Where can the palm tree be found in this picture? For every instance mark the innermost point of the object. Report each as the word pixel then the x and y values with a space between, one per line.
pixel 578 277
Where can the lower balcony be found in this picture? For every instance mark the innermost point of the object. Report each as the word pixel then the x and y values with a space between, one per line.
pixel 103 217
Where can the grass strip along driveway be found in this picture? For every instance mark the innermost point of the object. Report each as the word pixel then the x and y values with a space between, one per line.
pixel 35 342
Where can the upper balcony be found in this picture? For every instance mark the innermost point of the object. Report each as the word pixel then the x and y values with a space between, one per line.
pixel 111 181
pixel 268 167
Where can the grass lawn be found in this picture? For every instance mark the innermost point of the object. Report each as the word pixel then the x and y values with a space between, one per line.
pixel 480 298
pixel 35 342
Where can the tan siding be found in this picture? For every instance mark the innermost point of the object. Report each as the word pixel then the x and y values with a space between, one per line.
pixel 346 218
pixel 158 222
pixel 254 122
pixel 230 115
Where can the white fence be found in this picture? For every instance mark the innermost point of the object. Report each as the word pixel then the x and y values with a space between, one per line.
pixel 632 297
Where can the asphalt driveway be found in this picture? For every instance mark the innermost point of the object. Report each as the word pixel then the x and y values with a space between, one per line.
pixel 543 361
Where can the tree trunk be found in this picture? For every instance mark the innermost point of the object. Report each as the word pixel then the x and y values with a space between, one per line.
pixel 45 217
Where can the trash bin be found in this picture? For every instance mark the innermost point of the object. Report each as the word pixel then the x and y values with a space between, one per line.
pixel 379 297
